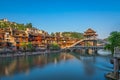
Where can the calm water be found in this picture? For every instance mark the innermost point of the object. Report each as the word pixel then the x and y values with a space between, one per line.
pixel 60 66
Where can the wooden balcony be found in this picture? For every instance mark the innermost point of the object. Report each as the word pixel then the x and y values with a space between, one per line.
pixel 90 38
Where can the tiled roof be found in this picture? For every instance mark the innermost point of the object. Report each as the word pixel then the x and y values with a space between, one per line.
pixel 90 31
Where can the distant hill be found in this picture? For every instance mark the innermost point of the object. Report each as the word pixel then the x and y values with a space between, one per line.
pixel 76 35
pixel 4 23
pixel 73 35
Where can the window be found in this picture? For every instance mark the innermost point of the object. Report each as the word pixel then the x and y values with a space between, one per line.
pixel 9 32
pixel 24 39
pixel 23 34
pixel 17 34
pixel 17 42
pixel 7 35
pixel 8 40
pixel 16 39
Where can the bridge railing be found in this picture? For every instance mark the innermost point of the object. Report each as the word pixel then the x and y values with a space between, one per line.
pixel 100 47
pixel 90 39
pixel 76 43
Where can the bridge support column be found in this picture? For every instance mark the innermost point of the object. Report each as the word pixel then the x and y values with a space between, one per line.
pixel 95 51
pixel 95 43
pixel 87 51
pixel 71 50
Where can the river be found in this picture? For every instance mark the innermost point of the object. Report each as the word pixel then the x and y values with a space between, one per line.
pixel 56 66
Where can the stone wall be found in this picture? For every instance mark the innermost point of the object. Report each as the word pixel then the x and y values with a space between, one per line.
pixel 117 52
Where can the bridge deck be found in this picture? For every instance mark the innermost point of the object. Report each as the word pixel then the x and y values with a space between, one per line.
pixel 87 47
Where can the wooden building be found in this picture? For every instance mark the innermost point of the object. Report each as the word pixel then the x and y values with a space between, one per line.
pixel 34 36
pixel 19 37
pixel 2 37
pixel 90 38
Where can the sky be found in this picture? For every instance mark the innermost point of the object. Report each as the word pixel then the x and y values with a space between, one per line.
pixel 65 15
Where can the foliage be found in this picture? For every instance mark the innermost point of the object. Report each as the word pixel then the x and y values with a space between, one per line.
pixel 88 44
pixel 52 34
pixel 114 41
pixel 73 35
pixel 77 35
pixel 30 46
pixel 27 45
pixel 24 45
pixel 20 27
pixel 6 24
pixel 54 46
pixel 28 25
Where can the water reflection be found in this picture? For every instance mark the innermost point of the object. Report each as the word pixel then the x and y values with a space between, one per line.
pixel 74 66
pixel 88 62
pixel 9 66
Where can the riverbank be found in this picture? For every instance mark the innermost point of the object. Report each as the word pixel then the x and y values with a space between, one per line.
pixel 18 53
pixel 113 76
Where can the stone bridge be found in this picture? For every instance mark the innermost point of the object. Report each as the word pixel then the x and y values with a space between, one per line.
pixel 85 48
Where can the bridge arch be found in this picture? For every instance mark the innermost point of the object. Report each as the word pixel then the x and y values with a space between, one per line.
pixel 89 43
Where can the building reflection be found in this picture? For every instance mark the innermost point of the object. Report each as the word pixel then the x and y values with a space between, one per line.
pixel 89 62
pixel 10 66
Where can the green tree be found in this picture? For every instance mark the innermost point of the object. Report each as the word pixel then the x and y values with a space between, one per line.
pixel 54 46
pixel 13 25
pixel 20 26
pixel 52 34
pixel 77 35
pixel 30 46
pixel 114 41
pixel 28 25
pixel 73 35
pixel 1 25
pixel 24 45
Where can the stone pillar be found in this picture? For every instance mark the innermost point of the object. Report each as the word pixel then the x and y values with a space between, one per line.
pixel 86 51
pixel 116 68
pixel 95 50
